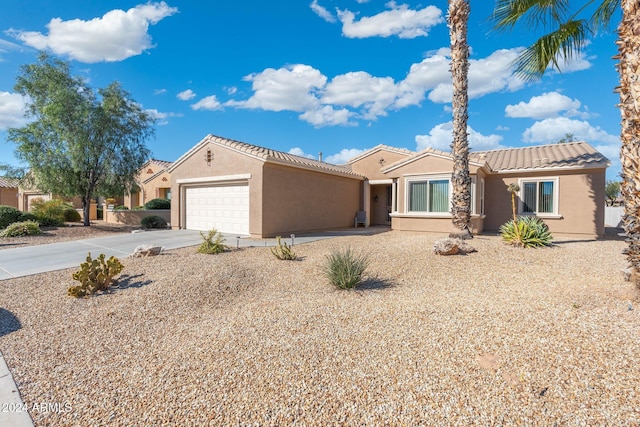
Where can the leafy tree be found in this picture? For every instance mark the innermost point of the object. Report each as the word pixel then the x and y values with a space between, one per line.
pixel 79 142
pixel 568 137
pixel 569 31
pixel 612 190
pixel 458 19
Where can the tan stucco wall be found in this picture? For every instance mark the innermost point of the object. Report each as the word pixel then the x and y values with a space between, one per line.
pixel 225 162
pixel 9 197
pixel 297 200
pixel 129 217
pixel 580 203
pixel 433 225
pixel 370 166
pixel 152 189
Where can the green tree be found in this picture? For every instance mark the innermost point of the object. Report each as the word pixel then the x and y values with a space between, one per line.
pixel 568 137
pixel 569 30
pixel 79 142
pixel 457 20
pixel 612 190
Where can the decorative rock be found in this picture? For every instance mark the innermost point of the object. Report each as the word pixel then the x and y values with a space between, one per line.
pixel 147 250
pixel 449 246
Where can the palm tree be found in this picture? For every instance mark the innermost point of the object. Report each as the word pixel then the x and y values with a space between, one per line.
pixel 568 36
pixel 457 20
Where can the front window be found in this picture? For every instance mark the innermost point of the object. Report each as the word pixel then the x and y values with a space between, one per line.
pixel 539 196
pixel 429 196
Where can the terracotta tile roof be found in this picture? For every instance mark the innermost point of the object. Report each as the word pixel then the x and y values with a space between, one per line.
pixel 268 155
pixel 572 155
pixel 8 182
pixel 163 163
pixel 552 156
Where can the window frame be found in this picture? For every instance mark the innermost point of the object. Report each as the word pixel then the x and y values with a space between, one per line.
pixel 427 179
pixel 556 191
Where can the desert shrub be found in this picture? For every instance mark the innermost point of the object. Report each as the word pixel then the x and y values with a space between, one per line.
pixel 95 275
pixel 138 208
pixel 527 232
pixel 54 212
pixel 212 242
pixel 153 221
pixel 27 216
pixel 344 268
pixel 283 251
pixel 121 208
pixel 8 215
pixel 158 204
pixel 72 215
pixel 16 229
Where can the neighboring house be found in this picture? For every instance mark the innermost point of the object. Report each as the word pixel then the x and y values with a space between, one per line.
pixel 27 195
pixel 241 188
pixel 8 192
pixel 154 182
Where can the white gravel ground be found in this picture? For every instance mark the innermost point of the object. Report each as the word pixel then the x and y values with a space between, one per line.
pixel 504 336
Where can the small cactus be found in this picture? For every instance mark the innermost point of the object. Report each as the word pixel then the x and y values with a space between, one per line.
pixel 282 251
pixel 95 275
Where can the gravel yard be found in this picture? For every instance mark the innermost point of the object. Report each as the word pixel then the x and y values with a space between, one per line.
pixel 504 336
pixel 70 231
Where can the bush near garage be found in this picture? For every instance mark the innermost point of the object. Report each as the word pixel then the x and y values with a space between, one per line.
pixel 8 215
pixel 54 212
pixel 153 221
pixel 158 204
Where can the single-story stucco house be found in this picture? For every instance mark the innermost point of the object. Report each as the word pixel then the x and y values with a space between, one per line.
pixel 8 192
pixel 244 189
pixel 154 182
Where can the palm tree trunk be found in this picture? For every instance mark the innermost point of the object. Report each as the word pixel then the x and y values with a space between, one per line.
pixel 629 90
pixel 458 18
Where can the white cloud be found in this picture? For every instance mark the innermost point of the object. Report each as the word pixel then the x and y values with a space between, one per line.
pixel 159 91
pixel 208 103
pixel 289 88
pixel 486 75
pixel 115 36
pixel 11 110
pixel 547 105
pixel 440 137
pixel 161 118
pixel 360 89
pixel 553 129
pixel 297 151
pixel 399 21
pixel 322 12
pixel 577 62
pixel 186 95
pixel 328 116
pixel 344 156
pixel 231 90
pixel 340 158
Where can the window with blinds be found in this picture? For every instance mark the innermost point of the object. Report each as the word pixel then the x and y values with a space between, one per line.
pixel 430 196
pixel 538 196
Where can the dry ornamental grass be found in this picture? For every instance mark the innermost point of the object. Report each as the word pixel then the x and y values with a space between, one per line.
pixel 502 336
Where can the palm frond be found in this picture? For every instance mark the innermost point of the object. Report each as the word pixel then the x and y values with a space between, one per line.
pixel 602 16
pixel 535 13
pixel 565 42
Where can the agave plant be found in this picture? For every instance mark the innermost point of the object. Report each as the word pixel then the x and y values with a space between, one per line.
pixel 526 231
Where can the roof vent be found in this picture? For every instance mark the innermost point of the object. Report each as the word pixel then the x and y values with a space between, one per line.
pixel 320 156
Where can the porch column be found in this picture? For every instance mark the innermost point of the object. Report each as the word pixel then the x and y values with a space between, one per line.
pixel 367 202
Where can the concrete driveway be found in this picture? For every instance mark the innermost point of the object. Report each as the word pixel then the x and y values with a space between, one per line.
pixel 57 256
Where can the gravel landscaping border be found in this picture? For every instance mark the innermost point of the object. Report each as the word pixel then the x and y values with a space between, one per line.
pixel 503 336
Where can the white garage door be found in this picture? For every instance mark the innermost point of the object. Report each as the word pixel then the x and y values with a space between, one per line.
pixel 223 207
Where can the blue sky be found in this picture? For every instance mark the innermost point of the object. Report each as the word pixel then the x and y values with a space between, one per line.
pixel 330 76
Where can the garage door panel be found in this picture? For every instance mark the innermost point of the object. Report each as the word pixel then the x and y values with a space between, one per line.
pixel 223 207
